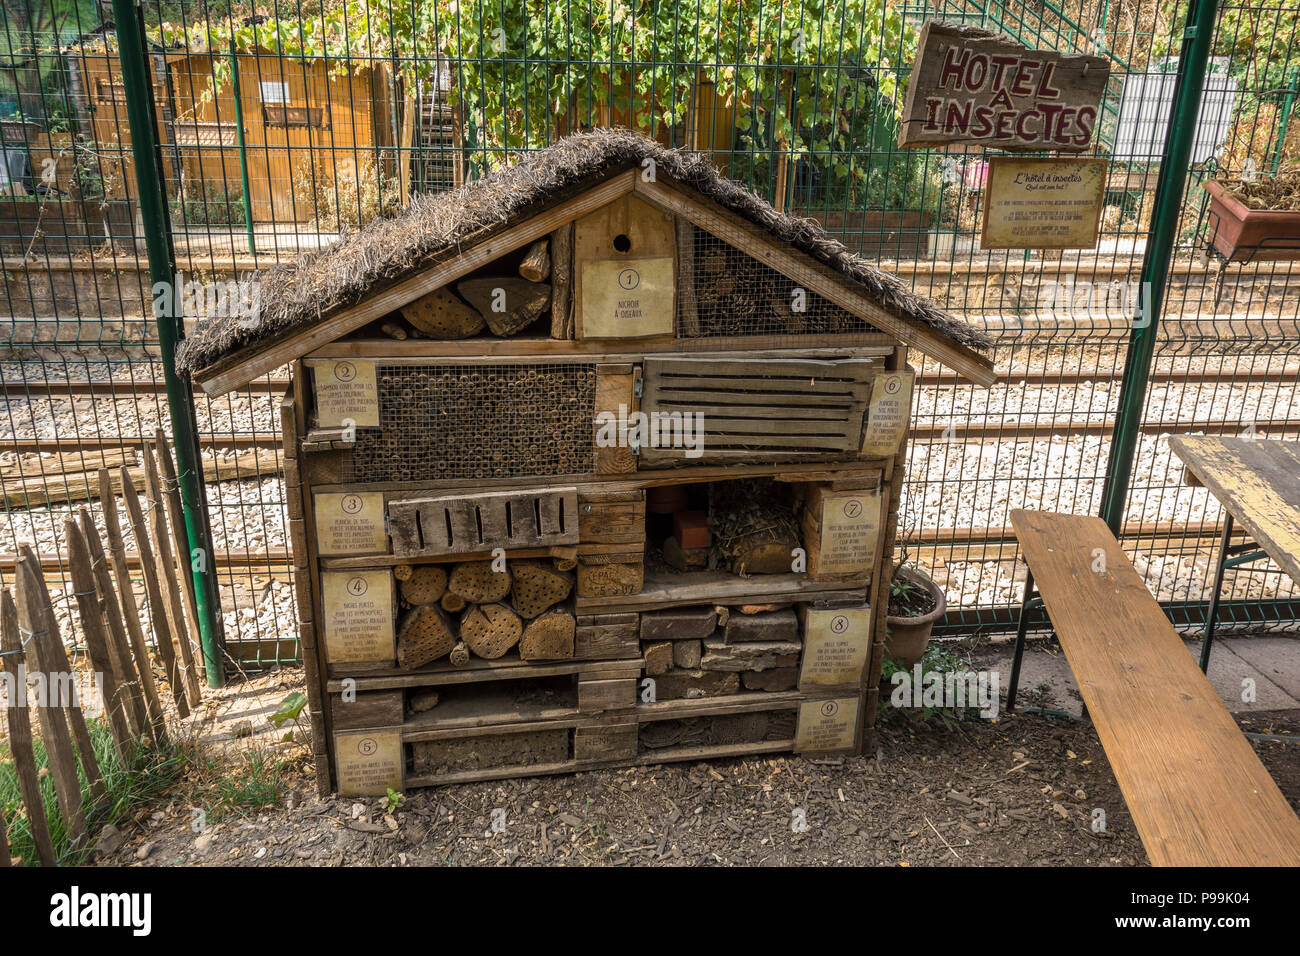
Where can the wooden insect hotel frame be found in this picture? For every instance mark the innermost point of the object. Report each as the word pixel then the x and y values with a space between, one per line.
pixel 593 462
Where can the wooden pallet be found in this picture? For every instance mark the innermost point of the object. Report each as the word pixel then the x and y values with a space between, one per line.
pixel 490 722
pixel 760 408
pixel 749 723
pixel 468 524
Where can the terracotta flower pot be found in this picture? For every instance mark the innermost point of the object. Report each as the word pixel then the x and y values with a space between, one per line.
pixel 1241 233
pixel 908 637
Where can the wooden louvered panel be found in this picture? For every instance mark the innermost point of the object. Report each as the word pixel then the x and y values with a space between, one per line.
pixel 467 524
pixel 777 409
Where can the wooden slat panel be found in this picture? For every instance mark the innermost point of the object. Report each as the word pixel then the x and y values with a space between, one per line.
pixel 781 421
pixel 502 519
pixel 1197 792
pixel 761 408
pixel 800 413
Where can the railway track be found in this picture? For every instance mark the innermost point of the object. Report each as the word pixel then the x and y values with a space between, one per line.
pixel 118 389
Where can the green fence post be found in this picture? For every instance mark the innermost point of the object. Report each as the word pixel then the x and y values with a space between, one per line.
pixel 243 148
pixel 162 273
pixel 1188 87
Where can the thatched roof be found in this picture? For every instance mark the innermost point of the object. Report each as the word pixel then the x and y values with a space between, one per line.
pixel 435 228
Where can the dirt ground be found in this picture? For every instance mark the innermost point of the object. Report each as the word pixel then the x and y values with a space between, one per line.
pixel 1020 790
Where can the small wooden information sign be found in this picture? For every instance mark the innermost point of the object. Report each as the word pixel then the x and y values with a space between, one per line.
pixel 1043 203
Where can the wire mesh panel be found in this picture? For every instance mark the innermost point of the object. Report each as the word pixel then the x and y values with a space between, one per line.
pixel 82 377
pixel 1228 360
pixel 735 294
pixel 1224 361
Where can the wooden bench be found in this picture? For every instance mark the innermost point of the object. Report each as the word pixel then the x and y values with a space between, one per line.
pixel 1194 786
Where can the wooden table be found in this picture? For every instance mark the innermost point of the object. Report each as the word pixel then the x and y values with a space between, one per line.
pixel 1257 481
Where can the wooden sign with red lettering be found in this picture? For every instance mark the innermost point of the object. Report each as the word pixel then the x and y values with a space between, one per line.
pixel 973 86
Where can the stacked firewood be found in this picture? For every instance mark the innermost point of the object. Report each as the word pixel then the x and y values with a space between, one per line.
pixel 485 609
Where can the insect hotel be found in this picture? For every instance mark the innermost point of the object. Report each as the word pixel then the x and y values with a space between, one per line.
pixel 592 462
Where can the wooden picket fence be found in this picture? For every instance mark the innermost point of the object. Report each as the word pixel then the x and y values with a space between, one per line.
pixel 117 639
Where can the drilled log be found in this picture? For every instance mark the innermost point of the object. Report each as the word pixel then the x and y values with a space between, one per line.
pixel 477 583
pixel 537 586
pixel 425 585
pixel 441 315
pixel 549 637
pixel 490 630
pixel 425 635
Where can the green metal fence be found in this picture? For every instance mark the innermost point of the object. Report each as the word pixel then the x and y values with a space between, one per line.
pixel 277 131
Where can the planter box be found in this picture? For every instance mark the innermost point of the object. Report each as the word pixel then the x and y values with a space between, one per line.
pixel 877 233
pixel 61 225
pixel 1242 234
pixel 18 132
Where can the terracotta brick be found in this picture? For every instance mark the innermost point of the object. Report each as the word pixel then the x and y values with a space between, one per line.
pixel 691 529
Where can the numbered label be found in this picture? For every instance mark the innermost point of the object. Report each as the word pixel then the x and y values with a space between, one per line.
pixel 369 762
pixel 888 413
pixel 836 644
pixel 358 616
pixel 350 523
pixel 345 393
pixel 830 724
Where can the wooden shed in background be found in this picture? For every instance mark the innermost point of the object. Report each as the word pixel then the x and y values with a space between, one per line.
pixel 499 572
pixel 99 96
pixel 305 124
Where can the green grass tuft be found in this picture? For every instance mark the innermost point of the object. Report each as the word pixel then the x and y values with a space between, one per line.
pixel 153 770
